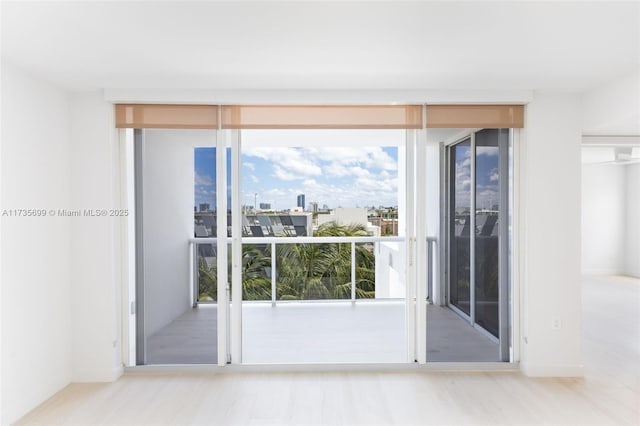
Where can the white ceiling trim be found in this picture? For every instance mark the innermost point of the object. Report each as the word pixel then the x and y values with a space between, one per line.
pixel 317 97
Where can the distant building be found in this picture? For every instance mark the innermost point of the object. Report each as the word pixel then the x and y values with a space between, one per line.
pixel 265 206
pixel 294 224
pixel 313 207
pixel 258 224
pixel 349 216
pixel 301 202
pixel 386 218
pixel 204 207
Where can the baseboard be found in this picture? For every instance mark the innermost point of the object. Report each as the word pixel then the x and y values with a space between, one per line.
pixel 116 372
pixel 486 367
pixel 600 272
pixel 552 370
pixel 98 376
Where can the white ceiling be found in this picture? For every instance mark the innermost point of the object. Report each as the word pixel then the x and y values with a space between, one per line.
pixel 318 45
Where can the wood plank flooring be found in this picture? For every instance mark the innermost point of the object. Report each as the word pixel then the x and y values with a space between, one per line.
pixel 322 332
pixel 609 393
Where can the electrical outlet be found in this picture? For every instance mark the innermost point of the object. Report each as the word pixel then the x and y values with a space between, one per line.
pixel 555 324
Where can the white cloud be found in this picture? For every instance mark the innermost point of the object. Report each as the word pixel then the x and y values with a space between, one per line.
pixel 289 163
pixel 375 158
pixel 489 151
pixel 282 174
pixel 254 179
pixel 340 170
pixel 203 180
pixel 249 166
pixel 336 176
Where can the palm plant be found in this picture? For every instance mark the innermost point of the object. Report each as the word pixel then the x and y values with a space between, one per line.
pixel 207 281
pixel 305 271
pixel 321 271
pixel 255 283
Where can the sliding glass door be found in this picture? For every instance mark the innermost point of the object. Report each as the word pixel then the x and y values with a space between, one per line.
pixel 476 271
pixel 487 212
pixel 323 247
pixel 176 289
pixel 274 237
pixel 460 226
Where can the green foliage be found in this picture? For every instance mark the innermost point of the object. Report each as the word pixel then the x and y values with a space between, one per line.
pixel 207 281
pixel 304 271
pixel 255 284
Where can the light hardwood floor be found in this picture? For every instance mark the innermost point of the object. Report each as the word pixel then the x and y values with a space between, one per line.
pixel 609 393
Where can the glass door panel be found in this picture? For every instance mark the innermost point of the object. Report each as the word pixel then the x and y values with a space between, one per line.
pixel 487 232
pixel 176 275
pixel 323 265
pixel 474 327
pixel 460 226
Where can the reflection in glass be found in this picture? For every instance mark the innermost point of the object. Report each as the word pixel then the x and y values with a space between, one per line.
pixel 487 190
pixel 460 226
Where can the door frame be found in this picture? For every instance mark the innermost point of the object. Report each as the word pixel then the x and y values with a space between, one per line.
pixel 413 150
pixel 506 312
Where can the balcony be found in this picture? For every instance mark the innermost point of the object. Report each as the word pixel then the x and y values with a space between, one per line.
pixel 332 320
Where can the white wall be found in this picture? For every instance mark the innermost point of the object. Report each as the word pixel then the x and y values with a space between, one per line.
pixel 390 277
pixel 95 242
pixel 432 193
pixel 36 254
pixel 168 221
pixel 550 236
pixel 603 219
pixel 614 107
pixel 632 233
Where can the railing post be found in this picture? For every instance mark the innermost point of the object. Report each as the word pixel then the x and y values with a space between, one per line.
pixel 273 274
pixel 432 247
pixel 430 270
pixel 353 271
pixel 192 273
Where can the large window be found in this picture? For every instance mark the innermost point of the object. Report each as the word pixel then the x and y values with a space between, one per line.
pixel 297 234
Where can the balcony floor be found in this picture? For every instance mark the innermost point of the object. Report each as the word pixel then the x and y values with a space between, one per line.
pixel 320 332
pixel 189 339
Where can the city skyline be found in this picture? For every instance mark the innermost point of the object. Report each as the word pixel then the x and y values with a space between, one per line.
pixel 335 176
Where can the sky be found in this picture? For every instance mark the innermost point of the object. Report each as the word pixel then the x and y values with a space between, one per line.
pixel 322 167
pixel 336 169
pixel 487 177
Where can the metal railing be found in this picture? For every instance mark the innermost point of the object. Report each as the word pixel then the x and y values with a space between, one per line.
pixel 273 242
pixel 432 247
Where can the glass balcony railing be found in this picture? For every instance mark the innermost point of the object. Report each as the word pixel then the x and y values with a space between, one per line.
pixel 278 269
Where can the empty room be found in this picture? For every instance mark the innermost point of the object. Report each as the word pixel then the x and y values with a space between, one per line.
pixel 305 212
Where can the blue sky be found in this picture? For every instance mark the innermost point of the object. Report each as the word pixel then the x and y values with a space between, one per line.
pixel 339 168
pixel 205 176
pixel 335 176
pixel 332 175
pixel 487 182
